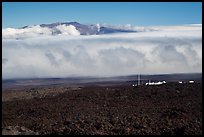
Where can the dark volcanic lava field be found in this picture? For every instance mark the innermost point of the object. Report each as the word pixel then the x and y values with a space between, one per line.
pixel 168 109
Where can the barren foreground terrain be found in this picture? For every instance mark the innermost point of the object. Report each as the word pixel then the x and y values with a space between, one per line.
pixel 170 108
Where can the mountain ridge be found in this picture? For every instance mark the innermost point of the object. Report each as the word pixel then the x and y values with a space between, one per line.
pixel 92 29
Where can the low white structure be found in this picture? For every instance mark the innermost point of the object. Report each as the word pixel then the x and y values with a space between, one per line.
pixel 134 85
pixel 180 82
pixel 155 83
pixel 191 81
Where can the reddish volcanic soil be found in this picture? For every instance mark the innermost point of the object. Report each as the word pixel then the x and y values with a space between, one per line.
pixel 168 109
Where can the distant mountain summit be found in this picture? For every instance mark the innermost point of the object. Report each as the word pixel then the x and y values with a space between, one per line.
pixel 93 29
pixel 76 29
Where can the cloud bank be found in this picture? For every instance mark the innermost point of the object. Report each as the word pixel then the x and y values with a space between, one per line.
pixel 171 49
pixel 37 31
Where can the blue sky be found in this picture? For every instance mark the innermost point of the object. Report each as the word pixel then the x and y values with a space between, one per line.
pixel 18 14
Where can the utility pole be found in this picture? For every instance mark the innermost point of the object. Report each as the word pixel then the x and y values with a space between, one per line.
pixel 138 80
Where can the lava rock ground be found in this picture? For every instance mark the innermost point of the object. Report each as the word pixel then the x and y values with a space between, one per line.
pixel 168 109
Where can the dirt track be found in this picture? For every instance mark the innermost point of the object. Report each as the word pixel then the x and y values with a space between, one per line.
pixel 166 109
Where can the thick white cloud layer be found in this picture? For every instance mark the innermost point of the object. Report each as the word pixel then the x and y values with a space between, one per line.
pixel 33 31
pixel 37 31
pixel 168 50
pixel 68 30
